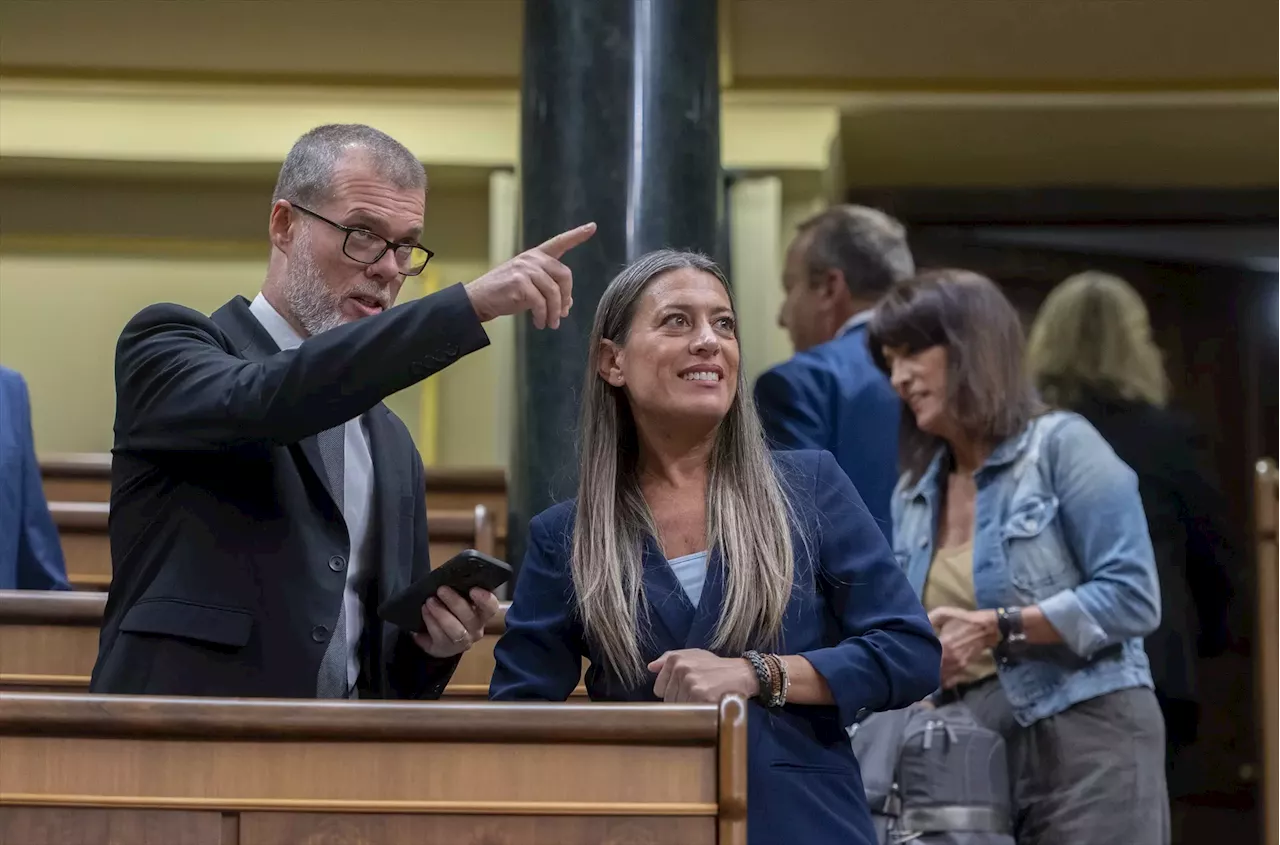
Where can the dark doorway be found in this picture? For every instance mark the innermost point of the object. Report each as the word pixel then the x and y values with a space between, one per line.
pixel 1205 262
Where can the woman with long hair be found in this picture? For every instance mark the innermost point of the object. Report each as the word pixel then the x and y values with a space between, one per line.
pixel 1024 535
pixel 1091 352
pixel 694 563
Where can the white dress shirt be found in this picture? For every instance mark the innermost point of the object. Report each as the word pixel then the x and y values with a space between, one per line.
pixel 859 319
pixel 357 493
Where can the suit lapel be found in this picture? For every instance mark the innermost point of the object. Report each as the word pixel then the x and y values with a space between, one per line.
pixel 254 343
pixel 670 613
pixel 703 627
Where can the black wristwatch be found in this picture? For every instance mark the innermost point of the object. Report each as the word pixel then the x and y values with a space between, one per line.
pixel 1012 637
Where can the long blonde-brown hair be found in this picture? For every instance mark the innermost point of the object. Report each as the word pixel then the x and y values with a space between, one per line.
pixel 1092 340
pixel 748 514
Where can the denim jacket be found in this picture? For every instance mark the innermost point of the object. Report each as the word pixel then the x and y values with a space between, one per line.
pixel 1058 523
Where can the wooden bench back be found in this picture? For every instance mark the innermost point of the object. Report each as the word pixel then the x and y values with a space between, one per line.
pixel 240 772
pixel 86 477
pixel 50 644
pixel 82 530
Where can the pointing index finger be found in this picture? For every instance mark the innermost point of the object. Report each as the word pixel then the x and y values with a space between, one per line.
pixel 565 241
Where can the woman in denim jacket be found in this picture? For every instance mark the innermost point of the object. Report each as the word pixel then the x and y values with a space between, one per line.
pixel 1025 538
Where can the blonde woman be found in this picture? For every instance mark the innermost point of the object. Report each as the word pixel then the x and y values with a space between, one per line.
pixel 696 564
pixel 1091 352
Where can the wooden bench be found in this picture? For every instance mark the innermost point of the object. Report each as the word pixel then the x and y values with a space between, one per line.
pixel 76 476
pixel 159 771
pixel 86 548
pixel 49 643
pixel 1267 516
pixel 82 529
pixel 86 477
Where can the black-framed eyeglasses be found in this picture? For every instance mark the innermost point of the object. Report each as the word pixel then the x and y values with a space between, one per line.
pixel 369 247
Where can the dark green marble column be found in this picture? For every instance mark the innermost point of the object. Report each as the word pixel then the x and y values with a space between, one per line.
pixel 620 125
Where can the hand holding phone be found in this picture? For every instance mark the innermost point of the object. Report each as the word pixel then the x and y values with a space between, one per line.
pixel 461 573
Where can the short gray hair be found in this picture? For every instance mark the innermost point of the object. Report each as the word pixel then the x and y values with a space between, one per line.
pixel 868 246
pixel 306 176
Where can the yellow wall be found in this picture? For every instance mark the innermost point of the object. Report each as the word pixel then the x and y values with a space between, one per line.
pixel 60 317
pixel 81 255
pixel 70 280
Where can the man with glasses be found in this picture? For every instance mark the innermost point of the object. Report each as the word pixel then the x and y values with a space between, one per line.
pixel 264 501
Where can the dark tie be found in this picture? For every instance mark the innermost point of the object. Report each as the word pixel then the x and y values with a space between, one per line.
pixel 332 679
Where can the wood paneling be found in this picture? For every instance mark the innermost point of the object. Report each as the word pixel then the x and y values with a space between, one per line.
pixel 76 478
pixel 137 769
pixel 50 643
pixel 370 829
pixel 502 776
pixel 64 826
pixel 1267 501
pixel 174 718
pixel 86 545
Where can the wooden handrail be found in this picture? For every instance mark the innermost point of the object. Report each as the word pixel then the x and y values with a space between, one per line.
pixel 448 525
pixel 79 516
pixel 76 465
pixel 467 526
pixel 1266 520
pixel 203 718
pixel 38 607
pixel 97 465
pixel 466 478
pixel 731 788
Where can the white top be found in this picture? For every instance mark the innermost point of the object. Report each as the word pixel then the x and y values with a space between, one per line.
pixel 691 571
pixel 357 493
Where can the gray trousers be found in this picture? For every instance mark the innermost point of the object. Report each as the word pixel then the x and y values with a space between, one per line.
pixel 1091 775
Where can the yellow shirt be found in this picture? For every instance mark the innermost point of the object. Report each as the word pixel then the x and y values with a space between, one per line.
pixel 950 584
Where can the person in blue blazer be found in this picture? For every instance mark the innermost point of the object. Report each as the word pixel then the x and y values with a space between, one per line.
pixel 30 554
pixel 695 563
pixel 831 395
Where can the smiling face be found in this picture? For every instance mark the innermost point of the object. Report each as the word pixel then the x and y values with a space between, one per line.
pixel 322 286
pixel 679 362
pixel 920 378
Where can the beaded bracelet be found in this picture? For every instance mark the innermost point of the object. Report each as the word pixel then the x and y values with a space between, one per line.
pixel 771 672
pixel 781 682
pixel 764 674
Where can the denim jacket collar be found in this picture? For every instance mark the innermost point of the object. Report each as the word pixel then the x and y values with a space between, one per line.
pixel 1008 451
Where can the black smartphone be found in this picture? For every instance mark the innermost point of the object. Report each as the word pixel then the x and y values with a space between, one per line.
pixel 461 573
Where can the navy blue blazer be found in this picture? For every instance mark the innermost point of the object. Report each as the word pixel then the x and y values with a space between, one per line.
pixel 30 553
pixel 852 615
pixel 834 397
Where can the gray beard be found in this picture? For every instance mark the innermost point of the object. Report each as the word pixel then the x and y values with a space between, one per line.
pixel 310 300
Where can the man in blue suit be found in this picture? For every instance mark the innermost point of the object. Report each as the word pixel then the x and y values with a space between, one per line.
pixel 30 554
pixel 830 394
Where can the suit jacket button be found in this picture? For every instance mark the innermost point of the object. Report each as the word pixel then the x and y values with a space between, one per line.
pixel 337 563
pixel 319 633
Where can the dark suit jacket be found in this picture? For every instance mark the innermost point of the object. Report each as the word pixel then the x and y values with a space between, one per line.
pixel 30 553
pixel 852 615
pixel 833 397
pixel 229 553
pixel 1195 553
